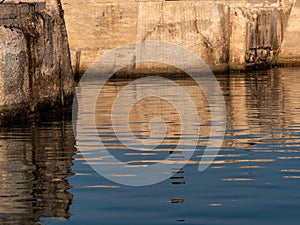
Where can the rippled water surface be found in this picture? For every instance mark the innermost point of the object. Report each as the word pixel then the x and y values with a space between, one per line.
pixel 254 179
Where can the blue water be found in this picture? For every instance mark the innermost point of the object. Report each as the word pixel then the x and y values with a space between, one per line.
pixel 254 179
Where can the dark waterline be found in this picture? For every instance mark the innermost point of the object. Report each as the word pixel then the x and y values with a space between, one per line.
pixel 254 180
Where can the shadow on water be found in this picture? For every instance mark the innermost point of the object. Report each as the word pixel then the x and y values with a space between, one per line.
pixel 35 161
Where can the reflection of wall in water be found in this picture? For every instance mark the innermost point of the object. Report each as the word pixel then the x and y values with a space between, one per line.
pixel 16 176
pixel 262 100
pixel 34 165
pixel 288 83
pixel 255 101
pixel 144 110
pixel 234 90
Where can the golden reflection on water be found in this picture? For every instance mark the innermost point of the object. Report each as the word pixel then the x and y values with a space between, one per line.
pixel 263 126
pixel 263 116
pixel 103 186
pixel 238 179
pixel 34 165
pixel 215 205
pixel 290 171
pixel 292 177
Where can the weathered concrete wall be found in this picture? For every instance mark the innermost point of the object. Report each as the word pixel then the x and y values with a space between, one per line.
pixel 225 34
pixel 35 67
pixel 111 25
pixel 16 13
pixel 290 49
pixel 256 35
pixel 14 79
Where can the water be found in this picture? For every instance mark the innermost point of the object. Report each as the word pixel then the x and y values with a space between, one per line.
pixel 254 179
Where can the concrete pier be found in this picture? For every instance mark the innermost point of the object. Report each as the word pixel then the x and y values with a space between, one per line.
pixel 228 34
pixel 36 63
pixel 35 67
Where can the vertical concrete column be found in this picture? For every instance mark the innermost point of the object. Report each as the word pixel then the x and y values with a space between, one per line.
pixel 238 39
pixel 290 49
pixel 14 84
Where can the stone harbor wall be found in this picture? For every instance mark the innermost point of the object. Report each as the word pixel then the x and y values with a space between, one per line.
pixel 228 34
pixel 35 60
pixel 256 35
pixel 35 66
pixel 15 14
pixel 290 49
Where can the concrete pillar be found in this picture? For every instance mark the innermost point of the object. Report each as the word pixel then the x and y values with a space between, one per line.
pixel 238 39
pixel 290 49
